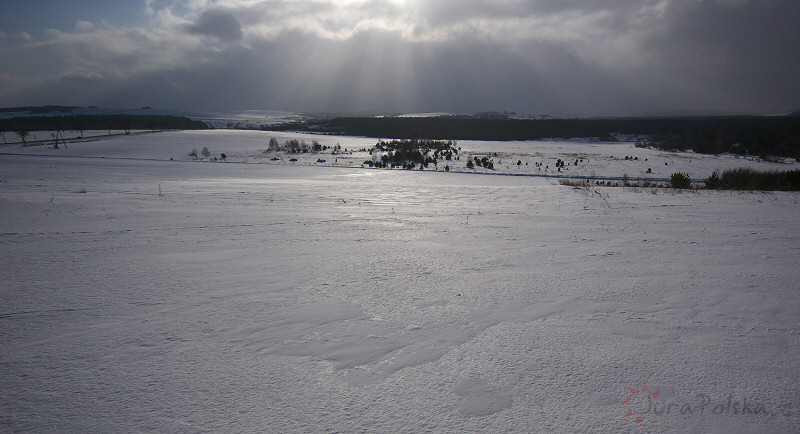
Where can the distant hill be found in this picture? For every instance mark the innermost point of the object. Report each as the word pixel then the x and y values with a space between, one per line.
pixel 59 110
pixel 35 110
pixel 100 122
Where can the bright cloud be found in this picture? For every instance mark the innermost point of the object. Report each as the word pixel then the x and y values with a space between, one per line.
pixel 566 57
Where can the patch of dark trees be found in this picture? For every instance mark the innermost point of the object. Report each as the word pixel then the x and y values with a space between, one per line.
pixel 100 122
pixel 410 153
pixel 759 136
pixel 749 135
pixel 294 146
pixel 750 179
pixel 482 161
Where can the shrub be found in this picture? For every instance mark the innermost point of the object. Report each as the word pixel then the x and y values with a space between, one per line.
pixel 791 180
pixel 575 182
pixel 713 182
pixel 206 153
pixel 680 180
pixel 193 154
pixel 749 179
pixel 743 179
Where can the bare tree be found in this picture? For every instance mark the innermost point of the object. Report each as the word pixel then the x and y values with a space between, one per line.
pixel 59 133
pixel 22 134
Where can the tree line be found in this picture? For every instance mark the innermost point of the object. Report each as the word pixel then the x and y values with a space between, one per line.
pixel 764 136
pixel 753 135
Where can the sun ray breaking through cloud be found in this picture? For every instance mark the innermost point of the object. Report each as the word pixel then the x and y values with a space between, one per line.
pixel 606 57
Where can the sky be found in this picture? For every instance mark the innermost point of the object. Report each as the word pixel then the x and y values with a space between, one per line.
pixel 563 58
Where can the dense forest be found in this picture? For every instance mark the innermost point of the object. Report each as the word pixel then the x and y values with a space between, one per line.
pixel 778 135
pixel 99 122
pixel 775 136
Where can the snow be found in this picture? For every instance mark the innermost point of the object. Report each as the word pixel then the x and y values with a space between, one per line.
pixel 249 118
pixel 601 160
pixel 143 293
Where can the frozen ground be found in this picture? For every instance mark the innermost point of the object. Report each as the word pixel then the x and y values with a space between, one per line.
pixel 140 293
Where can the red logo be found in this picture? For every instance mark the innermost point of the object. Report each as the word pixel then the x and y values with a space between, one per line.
pixel 635 402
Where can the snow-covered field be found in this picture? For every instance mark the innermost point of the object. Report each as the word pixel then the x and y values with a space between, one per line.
pixel 596 161
pixel 141 293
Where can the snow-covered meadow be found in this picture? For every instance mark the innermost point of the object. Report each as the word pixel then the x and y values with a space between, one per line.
pixel 145 290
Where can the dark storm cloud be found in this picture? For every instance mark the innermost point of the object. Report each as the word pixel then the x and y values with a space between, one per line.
pixel 736 55
pixel 568 57
pixel 215 22
pixel 307 73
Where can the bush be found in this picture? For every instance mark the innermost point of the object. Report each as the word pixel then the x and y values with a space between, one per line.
pixel 206 153
pixel 713 182
pixel 680 180
pixel 791 180
pixel 749 179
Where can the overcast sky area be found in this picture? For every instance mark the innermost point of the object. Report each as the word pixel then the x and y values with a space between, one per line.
pixel 564 57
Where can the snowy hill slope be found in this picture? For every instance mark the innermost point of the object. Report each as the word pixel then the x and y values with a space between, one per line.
pixel 595 160
pixel 141 293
